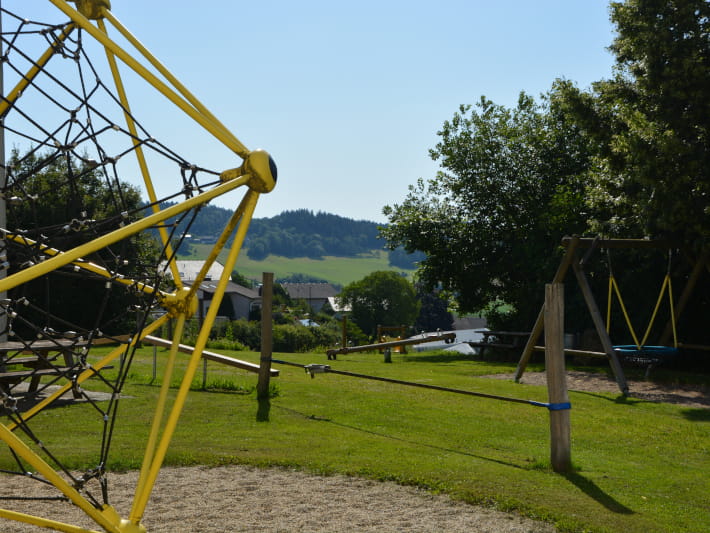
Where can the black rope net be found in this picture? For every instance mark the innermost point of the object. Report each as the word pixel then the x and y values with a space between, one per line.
pixel 68 152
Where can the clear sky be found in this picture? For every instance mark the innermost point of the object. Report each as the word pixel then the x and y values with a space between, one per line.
pixel 348 96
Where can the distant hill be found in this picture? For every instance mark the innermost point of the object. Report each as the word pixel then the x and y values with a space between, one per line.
pixel 299 233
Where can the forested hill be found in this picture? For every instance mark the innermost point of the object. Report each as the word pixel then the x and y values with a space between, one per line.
pixel 302 233
pixel 299 233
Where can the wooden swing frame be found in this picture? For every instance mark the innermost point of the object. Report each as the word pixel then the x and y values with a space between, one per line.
pixel 572 259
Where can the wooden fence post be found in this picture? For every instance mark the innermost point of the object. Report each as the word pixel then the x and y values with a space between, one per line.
pixel 267 288
pixel 560 441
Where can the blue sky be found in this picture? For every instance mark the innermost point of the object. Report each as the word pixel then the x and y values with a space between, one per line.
pixel 348 96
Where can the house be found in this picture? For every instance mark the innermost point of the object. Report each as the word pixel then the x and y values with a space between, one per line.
pixel 315 294
pixel 238 301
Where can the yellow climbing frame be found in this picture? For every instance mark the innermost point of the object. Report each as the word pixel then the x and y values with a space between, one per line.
pixel 256 173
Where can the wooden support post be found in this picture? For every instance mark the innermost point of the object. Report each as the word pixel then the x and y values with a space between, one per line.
pixel 540 322
pixel 600 327
pixel 267 288
pixel 560 441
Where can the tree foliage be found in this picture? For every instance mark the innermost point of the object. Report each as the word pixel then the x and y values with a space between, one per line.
pixel 64 202
pixel 382 298
pixel 651 123
pixel 490 220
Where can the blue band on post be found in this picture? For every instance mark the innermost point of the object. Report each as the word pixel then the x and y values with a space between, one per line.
pixel 553 406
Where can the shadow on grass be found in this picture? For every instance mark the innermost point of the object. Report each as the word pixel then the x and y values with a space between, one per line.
pixel 593 491
pixel 264 409
pixel 697 415
pixel 399 439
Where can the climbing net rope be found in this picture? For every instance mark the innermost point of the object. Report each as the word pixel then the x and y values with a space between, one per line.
pixel 86 265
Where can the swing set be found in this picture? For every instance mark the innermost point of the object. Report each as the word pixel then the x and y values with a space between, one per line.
pixel 640 352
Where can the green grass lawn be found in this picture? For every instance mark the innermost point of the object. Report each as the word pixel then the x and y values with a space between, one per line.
pixel 338 270
pixel 639 466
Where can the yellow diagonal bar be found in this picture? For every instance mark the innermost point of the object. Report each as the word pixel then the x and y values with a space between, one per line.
pixel 200 343
pixel 43 522
pixel 41 466
pixel 218 247
pixel 84 265
pixel 86 374
pixel 34 70
pixel 162 69
pixel 99 243
pixel 223 136
pixel 140 156
pixel 160 410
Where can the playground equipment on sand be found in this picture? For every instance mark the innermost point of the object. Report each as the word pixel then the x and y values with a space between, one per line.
pixel 76 137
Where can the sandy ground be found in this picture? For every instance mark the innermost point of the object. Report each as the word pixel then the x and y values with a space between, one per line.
pixel 236 498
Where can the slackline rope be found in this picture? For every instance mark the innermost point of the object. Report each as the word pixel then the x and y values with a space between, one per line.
pixel 326 369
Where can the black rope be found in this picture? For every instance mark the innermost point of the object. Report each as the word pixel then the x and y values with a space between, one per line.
pixel 326 369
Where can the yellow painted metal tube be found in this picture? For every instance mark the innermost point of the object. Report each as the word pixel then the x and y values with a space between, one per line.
pixel 217 248
pixel 226 138
pixel 72 255
pixel 142 499
pixel 43 522
pixel 158 417
pixel 140 156
pixel 41 466
pixel 34 70
pixel 162 69
pixel 81 378
pixel 85 265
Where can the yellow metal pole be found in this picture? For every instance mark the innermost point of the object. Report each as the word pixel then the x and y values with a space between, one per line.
pixel 141 500
pixel 217 248
pixel 34 70
pixel 163 69
pixel 226 138
pixel 43 522
pixel 86 374
pixel 85 265
pixel 140 156
pixel 24 452
pixel 159 415
pixel 72 255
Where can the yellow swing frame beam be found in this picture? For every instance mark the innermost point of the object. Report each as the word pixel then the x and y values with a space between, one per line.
pixel 256 172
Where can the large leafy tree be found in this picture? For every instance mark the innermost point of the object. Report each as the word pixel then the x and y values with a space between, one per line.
pixel 382 298
pixel 63 201
pixel 651 123
pixel 489 222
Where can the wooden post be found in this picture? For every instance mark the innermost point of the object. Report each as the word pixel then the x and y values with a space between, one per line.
pixel 267 288
pixel 601 328
pixel 344 342
pixel 557 378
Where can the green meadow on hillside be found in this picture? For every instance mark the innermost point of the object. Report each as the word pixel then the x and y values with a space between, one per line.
pixel 337 270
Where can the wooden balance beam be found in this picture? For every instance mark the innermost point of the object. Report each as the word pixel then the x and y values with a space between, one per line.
pixel 210 356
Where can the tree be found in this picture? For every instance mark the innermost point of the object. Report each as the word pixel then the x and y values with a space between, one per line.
pixel 63 201
pixel 490 221
pixel 381 298
pixel 651 123
pixel 434 313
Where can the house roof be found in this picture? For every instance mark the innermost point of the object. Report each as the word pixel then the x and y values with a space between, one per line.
pixel 232 288
pixel 309 291
pixel 189 269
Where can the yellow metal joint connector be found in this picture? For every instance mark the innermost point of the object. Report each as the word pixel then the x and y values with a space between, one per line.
pixel 261 168
pixel 92 9
pixel 180 303
pixel 124 526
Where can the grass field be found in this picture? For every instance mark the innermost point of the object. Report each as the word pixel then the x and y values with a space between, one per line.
pixel 640 467
pixel 338 270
